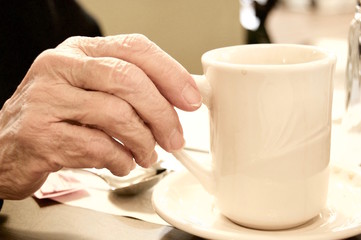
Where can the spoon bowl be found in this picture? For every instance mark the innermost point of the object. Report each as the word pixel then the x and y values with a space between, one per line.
pixel 141 185
pixel 137 181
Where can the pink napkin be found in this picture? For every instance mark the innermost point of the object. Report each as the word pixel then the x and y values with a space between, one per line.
pixel 58 184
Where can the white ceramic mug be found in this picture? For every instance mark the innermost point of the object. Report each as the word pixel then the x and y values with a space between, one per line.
pixel 270 126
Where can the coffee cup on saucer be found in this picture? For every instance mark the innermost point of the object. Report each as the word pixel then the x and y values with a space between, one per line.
pixel 270 128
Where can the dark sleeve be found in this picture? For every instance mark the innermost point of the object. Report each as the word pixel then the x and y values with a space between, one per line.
pixel 1 204
pixel 29 27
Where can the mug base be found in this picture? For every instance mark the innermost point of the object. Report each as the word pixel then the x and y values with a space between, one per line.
pixel 270 227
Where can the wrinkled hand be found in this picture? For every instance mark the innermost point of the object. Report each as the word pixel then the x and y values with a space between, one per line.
pixel 78 97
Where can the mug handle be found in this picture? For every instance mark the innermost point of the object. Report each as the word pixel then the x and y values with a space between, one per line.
pixel 200 169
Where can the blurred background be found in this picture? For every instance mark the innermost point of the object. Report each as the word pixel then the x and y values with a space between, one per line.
pixel 188 28
pixel 185 29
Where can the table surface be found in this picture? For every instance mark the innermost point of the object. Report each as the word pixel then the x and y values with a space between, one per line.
pixel 45 219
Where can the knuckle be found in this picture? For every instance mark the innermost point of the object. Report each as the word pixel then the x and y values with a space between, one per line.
pixel 53 62
pixel 128 118
pixel 35 94
pixel 135 39
pixel 122 78
pixel 138 43
pixel 143 154
pixel 71 41
pixel 134 133
pixel 120 114
pixel 165 119
pixel 97 150
pixel 148 148
pixel 127 79
pixel 44 59
pixel 122 164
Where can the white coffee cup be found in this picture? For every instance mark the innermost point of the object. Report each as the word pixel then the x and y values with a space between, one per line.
pixel 270 126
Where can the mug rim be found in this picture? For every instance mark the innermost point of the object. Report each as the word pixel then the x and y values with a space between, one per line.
pixel 328 56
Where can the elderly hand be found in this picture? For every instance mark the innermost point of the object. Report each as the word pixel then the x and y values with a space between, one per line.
pixel 78 98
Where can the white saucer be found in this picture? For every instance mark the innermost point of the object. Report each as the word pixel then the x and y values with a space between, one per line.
pixel 181 201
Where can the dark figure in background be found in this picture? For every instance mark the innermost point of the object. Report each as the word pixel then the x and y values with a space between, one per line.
pixel 29 27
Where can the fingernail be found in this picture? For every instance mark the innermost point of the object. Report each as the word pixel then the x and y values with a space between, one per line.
pixel 192 96
pixel 176 140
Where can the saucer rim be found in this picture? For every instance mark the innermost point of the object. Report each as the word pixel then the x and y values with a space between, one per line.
pixel 176 177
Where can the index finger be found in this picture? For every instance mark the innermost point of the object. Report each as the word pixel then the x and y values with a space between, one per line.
pixel 171 78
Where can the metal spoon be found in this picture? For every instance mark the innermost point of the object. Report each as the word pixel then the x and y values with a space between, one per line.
pixel 141 185
pixel 132 185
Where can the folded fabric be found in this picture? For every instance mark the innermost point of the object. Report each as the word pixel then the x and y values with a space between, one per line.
pixel 58 184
